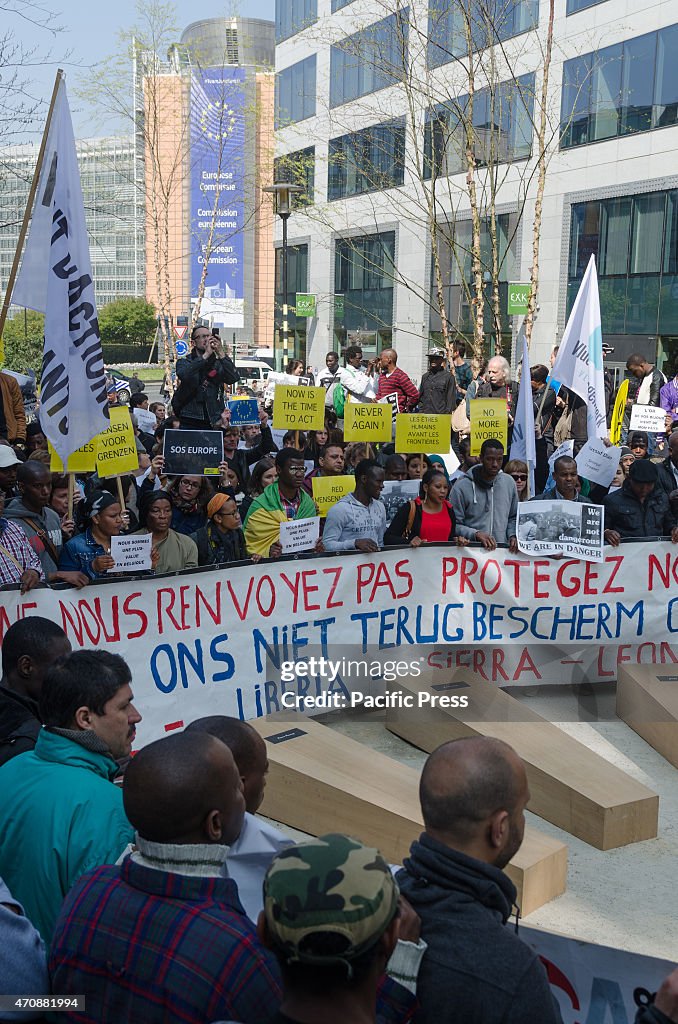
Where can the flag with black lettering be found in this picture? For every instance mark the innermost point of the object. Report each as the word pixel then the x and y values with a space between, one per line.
pixel 55 278
pixel 579 363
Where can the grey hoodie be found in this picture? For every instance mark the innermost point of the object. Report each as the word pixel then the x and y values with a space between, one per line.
pixel 48 521
pixel 349 520
pixel 488 506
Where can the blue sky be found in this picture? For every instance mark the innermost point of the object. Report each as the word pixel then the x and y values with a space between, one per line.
pixel 89 32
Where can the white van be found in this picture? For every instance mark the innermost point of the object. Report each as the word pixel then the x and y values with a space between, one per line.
pixel 253 373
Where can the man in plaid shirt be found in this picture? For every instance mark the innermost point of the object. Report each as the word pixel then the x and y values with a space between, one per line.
pixel 163 938
pixel 394 381
pixel 18 561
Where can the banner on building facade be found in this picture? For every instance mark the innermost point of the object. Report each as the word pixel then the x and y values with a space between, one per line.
pixel 218 110
pixel 214 641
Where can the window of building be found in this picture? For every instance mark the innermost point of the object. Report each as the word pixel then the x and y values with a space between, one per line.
pixel 367 161
pixel 635 242
pixel 481 23
pixel 299 169
pixel 364 269
pixel 297 281
pixel 293 15
pixel 581 5
pixel 369 60
pixel 621 90
pixel 338 4
pixel 295 92
pixel 502 123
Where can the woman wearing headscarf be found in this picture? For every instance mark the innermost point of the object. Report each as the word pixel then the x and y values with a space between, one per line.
pixel 90 552
pixel 222 539
pixel 175 551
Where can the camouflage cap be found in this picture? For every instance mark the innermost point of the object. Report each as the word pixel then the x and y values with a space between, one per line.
pixel 330 886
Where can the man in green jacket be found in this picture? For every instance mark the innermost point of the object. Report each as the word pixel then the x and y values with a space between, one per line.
pixel 60 814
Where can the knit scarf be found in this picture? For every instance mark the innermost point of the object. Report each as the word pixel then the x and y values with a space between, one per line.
pixel 198 860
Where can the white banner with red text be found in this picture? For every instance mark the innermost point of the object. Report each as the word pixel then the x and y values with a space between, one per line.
pixel 217 640
pixel 596 984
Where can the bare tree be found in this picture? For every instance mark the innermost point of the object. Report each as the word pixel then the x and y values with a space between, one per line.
pixel 479 136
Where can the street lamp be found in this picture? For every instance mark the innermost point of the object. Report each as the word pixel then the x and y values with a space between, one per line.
pixel 282 194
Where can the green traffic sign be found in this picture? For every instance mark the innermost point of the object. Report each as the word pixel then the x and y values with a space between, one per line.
pixel 518 298
pixel 305 304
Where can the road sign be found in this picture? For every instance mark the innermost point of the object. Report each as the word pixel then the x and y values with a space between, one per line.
pixel 180 330
pixel 182 348
pixel 518 298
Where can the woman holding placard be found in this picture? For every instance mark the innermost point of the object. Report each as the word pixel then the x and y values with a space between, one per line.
pixel 90 552
pixel 426 520
pixel 174 550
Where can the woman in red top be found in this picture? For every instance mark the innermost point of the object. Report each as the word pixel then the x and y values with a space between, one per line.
pixel 426 520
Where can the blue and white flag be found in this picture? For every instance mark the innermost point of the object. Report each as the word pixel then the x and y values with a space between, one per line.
pixel 579 363
pixel 523 443
pixel 56 279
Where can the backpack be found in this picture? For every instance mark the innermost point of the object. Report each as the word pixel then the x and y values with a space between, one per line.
pixel 339 400
pixel 25 731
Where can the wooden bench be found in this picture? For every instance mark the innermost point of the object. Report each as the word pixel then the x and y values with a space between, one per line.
pixel 571 786
pixel 647 700
pixel 320 781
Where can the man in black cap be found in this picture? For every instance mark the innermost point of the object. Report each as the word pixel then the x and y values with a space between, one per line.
pixel 438 391
pixel 640 508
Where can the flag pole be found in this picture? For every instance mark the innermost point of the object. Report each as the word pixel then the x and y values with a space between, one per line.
pixel 29 205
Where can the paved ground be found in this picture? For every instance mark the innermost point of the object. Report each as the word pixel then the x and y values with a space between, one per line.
pixel 625 897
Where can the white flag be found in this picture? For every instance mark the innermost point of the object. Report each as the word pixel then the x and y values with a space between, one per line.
pixel 56 279
pixel 579 364
pixel 523 443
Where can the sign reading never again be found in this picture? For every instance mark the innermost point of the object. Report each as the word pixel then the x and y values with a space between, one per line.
pixel 364 421
pixel 192 452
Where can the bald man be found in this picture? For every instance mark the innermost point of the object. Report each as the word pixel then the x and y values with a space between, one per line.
pixel 258 843
pixel 473 796
pixel 163 937
pixel 394 381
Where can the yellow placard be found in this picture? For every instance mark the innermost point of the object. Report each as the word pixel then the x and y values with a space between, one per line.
pixel 298 408
pixel 489 419
pixel 422 432
pixel 80 461
pixel 327 490
pixel 618 412
pixel 116 450
pixel 367 422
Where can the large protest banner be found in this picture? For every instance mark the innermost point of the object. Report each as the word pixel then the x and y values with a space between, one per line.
pixel 208 642
pixel 596 984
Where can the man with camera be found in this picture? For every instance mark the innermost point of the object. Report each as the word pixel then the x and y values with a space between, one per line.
pixel 199 399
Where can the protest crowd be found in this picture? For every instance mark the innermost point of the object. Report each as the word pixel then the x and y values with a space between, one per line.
pixel 149 884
